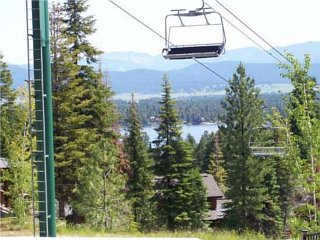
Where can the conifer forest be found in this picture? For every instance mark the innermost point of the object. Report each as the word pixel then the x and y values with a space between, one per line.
pixel 264 157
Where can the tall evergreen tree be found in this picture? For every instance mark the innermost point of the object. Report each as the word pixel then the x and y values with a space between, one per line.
pixel 246 185
pixel 85 120
pixel 141 180
pixel 78 28
pixel 181 194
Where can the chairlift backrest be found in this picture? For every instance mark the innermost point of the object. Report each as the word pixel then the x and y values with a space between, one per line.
pixel 194 34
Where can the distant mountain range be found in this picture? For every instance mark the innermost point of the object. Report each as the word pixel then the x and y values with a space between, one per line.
pixel 19 74
pixel 142 73
pixel 196 80
pixel 126 61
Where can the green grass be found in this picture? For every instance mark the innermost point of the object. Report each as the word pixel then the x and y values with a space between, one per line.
pixel 9 229
pixel 203 235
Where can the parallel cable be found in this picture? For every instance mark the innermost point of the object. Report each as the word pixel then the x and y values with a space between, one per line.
pixel 254 32
pixel 159 35
pixel 210 69
pixel 252 40
pixel 246 25
pixel 233 25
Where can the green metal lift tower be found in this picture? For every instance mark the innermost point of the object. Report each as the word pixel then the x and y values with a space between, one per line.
pixel 38 37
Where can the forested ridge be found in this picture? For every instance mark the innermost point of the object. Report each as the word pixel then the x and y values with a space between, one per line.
pixel 110 182
pixel 192 110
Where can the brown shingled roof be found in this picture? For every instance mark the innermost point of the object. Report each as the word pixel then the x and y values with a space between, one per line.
pixel 212 186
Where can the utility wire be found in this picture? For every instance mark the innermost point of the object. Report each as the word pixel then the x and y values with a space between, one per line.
pixel 159 35
pixel 246 25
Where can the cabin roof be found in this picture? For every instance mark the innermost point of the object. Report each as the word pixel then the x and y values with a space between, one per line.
pixel 213 189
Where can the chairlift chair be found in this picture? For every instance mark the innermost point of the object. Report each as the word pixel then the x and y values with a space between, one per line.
pixel 208 24
pixel 268 141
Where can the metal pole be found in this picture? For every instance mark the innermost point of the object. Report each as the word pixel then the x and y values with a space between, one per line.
pixel 44 126
pixel 30 126
pixel 48 120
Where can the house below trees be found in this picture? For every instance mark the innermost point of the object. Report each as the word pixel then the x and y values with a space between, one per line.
pixel 215 198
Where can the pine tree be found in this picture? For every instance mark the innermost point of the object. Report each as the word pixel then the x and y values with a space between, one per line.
pixel 181 194
pixel 85 120
pixel 63 72
pixel 15 144
pixel 216 160
pixel 8 107
pixel 246 175
pixel 201 151
pixel 191 140
pixel 140 184
pixel 78 28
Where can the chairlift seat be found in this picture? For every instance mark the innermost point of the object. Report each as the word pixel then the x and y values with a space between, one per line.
pixel 195 51
pixel 267 151
pixel 274 141
pixel 195 34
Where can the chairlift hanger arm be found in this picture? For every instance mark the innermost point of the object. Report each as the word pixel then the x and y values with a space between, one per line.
pixel 202 7
pixel 176 14
pixel 192 13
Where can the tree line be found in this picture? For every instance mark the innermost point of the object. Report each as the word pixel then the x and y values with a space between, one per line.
pixel 111 182
pixel 193 110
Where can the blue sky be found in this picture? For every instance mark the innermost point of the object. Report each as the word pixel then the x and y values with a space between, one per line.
pixel 280 22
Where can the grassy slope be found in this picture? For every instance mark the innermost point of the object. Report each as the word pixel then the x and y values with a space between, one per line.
pixel 7 228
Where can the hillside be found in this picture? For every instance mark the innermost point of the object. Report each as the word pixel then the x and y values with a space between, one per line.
pixel 197 80
pixel 126 61
pixel 19 74
pixel 142 73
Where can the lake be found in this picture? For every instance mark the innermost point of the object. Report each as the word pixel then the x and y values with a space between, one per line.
pixel 194 130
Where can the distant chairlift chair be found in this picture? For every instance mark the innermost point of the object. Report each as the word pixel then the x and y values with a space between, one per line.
pixel 194 34
pixel 272 141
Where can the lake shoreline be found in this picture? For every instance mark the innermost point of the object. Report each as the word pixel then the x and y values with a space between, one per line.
pixel 196 131
pixel 185 123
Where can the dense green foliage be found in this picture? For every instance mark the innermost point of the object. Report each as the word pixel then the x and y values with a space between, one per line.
pixel 14 144
pixel 141 180
pixel 181 194
pixel 303 112
pixel 113 183
pixel 251 181
pixel 209 158
pixel 86 146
